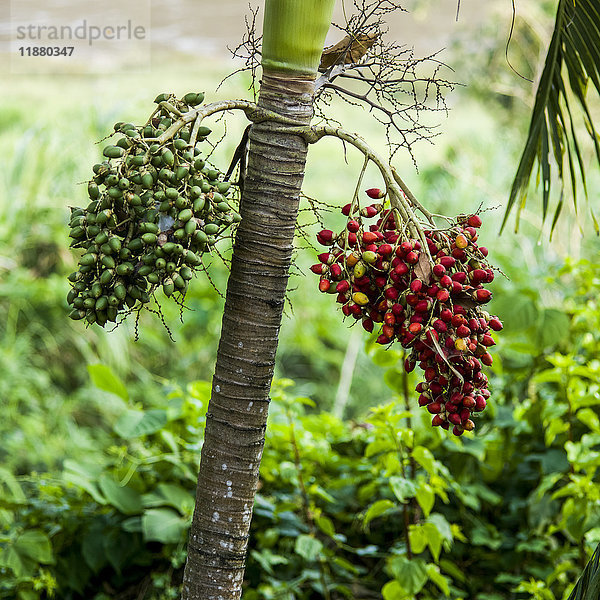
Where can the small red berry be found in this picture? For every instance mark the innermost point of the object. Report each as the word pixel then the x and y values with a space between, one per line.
pixel 446 315
pixel 335 270
pixel 385 249
pixel 447 261
pixel 488 340
pixel 480 403
pixel 367 325
pixel 370 211
pixel 468 425
pixel 353 226
pixel 412 257
pixel 434 407
pixel 409 365
pixel 443 295
pixel 388 331
pixel 463 331
pixel 342 287
pixel 486 359
pixel 375 193
pixel 469 402
pixel 415 328
pixel 326 237
pixel 495 323
pixel 439 270
pixel 474 221
pixel 482 296
pixel 324 285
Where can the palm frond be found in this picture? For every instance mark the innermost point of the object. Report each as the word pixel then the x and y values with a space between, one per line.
pixel 573 60
pixel 588 585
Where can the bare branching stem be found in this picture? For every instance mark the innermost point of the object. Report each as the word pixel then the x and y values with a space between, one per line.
pixel 252 111
pixel 405 203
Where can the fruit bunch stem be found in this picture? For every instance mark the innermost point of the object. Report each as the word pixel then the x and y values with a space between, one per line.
pixel 252 111
pixel 401 198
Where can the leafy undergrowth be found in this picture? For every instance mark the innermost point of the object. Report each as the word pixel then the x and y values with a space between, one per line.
pixel 382 505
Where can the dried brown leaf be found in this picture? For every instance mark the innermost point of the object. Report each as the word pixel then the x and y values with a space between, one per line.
pixel 423 268
pixel 347 51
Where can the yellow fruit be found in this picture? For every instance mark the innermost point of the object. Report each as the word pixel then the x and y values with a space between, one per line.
pixel 460 344
pixel 360 298
pixel 359 269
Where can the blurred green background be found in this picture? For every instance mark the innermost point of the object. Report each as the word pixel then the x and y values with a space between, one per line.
pixel 66 391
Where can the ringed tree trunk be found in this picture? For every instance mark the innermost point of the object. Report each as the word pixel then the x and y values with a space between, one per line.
pixel 294 34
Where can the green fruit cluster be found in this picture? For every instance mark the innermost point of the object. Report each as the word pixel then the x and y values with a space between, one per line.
pixel 154 209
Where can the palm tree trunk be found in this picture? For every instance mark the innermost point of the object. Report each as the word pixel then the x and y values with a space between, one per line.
pixel 237 412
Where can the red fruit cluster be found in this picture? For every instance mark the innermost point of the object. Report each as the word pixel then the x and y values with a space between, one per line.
pixel 435 310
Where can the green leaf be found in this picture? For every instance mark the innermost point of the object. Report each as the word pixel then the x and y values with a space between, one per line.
pixel 346 565
pixel 132 525
pixel 325 524
pixel 135 423
pixel 423 535
pixel 434 575
pixel 425 497
pixel 123 498
pixel 588 417
pixel 553 327
pixel 442 525
pixel 163 525
pixel 573 51
pixel 555 427
pixel 177 497
pixel 308 547
pixel 305 401
pixel 104 378
pixel 377 509
pixel 384 358
pixel 15 494
pixel 84 476
pixel 395 379
pixel 425 458
pixel 392 590
pixel 418 538
pixel 36 545
pixel 519 311
pixel 22 566
pixel 434 540
pixel 410 574
pixel 486 535
pixel 118 547
pixel 92 549
pixel 268 560
pixel 378 445
pixel 452 569
pixel 403 488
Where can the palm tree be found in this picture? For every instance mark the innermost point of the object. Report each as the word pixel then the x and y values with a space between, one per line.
pixel 572 62
pixel 293 39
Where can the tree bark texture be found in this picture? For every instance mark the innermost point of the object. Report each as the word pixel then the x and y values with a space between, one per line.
pixel 237 412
